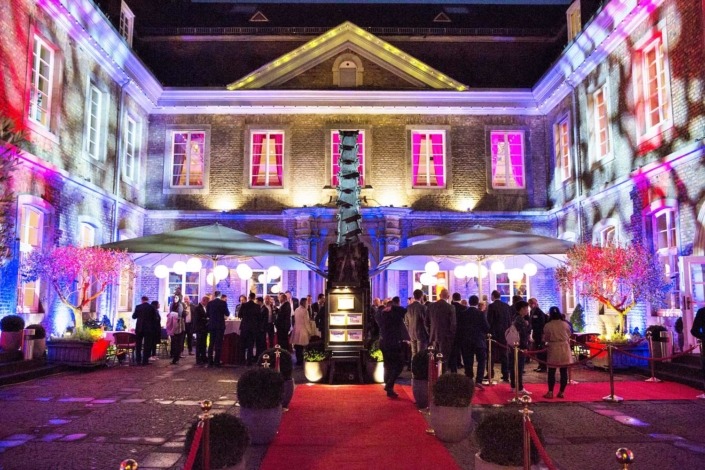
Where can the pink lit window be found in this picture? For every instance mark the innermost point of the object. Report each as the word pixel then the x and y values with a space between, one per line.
pixel 335 155
pixel 507 149
pixel 428 159
pixel 267 155
pixel 188 160
pixel 561 142
pixel 652 87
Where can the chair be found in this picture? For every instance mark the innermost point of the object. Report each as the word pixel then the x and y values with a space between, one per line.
pixel 125 343
pixel 163 344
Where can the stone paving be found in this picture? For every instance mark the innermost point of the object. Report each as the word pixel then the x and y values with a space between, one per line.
pixel 94 420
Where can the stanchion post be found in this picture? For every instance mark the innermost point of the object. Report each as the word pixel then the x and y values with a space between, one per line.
pixel 128 464
pixel 490 364
pixel 516 374
pixel 650 339
pixel 625 457
pixel 702 367
pixel 611 397
pixel 526 412
pixel 265 361
pixel 432 370
pixel 439 362
pixel 206 406
pixel 277 356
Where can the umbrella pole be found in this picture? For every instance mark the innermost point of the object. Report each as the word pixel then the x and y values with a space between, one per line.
pixel 479 280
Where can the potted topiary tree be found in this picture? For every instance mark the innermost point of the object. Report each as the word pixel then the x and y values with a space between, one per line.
pixel 375 364
pixel 500 438
pixel 11 336
pixel 286 367
pixel 451 416
pixel 228 442
pixel 40 342
pixel 419 378
pixel 259 392
pixel 316 364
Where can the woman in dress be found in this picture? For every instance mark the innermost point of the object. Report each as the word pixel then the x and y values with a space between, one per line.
pixel 176 329
pixel 556 336
pixel 304 328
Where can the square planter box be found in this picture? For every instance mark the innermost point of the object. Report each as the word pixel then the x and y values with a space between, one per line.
pixel 77 353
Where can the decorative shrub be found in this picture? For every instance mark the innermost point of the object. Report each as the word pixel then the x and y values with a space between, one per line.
pixel 500 438
pixel 375 355
pixel 260 389
pixel 453 390
pixel 228 441
pixel 120 325
pixel 11 323
pixel 577 318
pixel 39 331
pixel 315 355
pixel 105 322
pixel 419 365
pixel 286 365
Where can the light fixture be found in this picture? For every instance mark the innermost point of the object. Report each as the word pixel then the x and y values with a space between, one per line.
pixel 483 271
pixel 262 278
pixel 179 267
pixel 460 271
pixel 221 272
pixel 497 267
pixel 274 272
pixel 161 271
pixel 425 279
pixel 432 280
pixel 471 270
pixel 244 271
pixel 432 268
pixel 530 269
pixel 193 265
pixel 418 286
pixel 210 279
pixel 276 288
pixel 515 274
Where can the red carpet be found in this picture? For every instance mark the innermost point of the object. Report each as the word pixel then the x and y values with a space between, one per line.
pixel 354 427
pixel 589 392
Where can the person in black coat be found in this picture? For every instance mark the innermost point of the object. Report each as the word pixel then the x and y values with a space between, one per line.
pixel 157 338
pixel 698 331
pixel 249 313
pixel 144 330
pixel 262 320
pixel 455 357
pixel 283 322
pixel 499 316
pixel 199 321
pixel 538 320
pixel 217 310
pixel 473 328
pixel 392 333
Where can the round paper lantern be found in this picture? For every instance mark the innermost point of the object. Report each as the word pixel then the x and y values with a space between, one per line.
pixel 472 270
pixel 274 272
pixel 530 269
pixel 244 271
pixel 441 282
pixel 483 271
pixel 432 280
pixel 460 272
pixel 276 288
pixel 418 286
pixel 515 274
pixel 161 271
pixel 179 267
pixel 432 268
pixel 221 272
pixel 497 267
pixel 193 265
pixel 261 278
pixel 425 279
pixel 210 279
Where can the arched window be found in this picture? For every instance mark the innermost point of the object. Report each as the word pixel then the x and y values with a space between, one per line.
pixel 348 71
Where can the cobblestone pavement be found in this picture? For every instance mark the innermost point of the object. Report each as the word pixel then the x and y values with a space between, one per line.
pixel 94 420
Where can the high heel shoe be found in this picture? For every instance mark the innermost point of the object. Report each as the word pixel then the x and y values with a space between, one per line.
pixel 549 395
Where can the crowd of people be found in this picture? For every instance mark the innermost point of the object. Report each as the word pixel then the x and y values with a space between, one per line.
pixel 264 322
pixel 458 331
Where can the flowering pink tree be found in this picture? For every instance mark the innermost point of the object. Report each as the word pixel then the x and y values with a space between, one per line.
pixel 616 276
pixel 78 275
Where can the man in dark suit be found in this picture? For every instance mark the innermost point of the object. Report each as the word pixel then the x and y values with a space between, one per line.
pixel 144 330
pixel 415 321
pixel 283 322
pixel 217 310
pixel 473 328
pixel 441 322
pixel 455 358
pixel 319 311
pixel 499 316
pixel 393 333
pixel 249 314
pixel 200 327
pixel 538 320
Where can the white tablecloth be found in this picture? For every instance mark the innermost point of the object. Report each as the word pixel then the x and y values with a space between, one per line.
pixel 232 326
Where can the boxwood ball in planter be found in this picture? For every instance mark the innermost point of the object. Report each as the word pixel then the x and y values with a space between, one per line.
pixel 228 441
pixel 451 415
pixel 11 336
pixel 11 323
pixel 259 392
pixel 286 365
pixel 455 390
pixel 499 436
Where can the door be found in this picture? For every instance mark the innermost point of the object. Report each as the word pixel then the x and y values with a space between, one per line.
pixel 693 293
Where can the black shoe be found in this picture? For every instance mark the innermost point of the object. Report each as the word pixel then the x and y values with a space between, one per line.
pixel 392 394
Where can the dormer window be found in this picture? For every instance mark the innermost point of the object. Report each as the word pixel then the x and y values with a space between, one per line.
pixel 127 23
pixel 259 17
pixel 441 18
pixel 575 24
pixel 348 71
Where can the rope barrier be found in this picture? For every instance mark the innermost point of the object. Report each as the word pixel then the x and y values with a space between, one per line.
pixel 668 358
pixel 194 447
pixel 539 446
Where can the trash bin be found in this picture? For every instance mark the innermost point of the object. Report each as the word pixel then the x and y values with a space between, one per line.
pixel 28 343
pixel 664 346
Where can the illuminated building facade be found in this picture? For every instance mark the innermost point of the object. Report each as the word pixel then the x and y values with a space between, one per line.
pixel 577 121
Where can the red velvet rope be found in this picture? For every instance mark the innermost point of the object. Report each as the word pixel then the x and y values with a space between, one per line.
pixel 552 365
pixel 194 446
pixel 537 442
pixel 668 358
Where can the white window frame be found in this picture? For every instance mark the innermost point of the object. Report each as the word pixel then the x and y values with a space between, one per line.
pixel 125 291
pixel 426 133
pixel 431 292
pixel 512 286
pixel 267 133
pixel 131 149
pixel 25 250
pixel 509 175
pixel 601 137
pixel 94 133
pixel 86 235
pixel 574 20
pixel 364 153
pixel 570 300
pixel 562 149
pixel 36 77
pixel 127 23
pixel 199 283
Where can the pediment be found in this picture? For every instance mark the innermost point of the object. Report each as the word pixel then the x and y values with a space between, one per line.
pixel 346 37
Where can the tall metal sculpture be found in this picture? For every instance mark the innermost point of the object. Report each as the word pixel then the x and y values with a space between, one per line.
pixel 348 189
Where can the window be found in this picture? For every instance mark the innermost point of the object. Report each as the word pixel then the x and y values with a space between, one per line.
pixel 188 159
pixel 428 159
pixel 127 23
pixel 86 235
pixel 652 86
pixel 569 302
pixel 574 20
pixel 40 96
pixel 31 230
pixel 267 155
pixel 665 239
pixel 432 290
pixel 608 236
pixel 189 284
pixel 599 126
pixel 131 149
pixel 335 156
pixel 507 149
pixel 561 144
pixel 94 122
pixel 261 284
pixel 348 71
pixel 125 291
pixel 509 289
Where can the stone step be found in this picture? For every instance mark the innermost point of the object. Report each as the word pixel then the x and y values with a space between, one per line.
pixel 20 371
